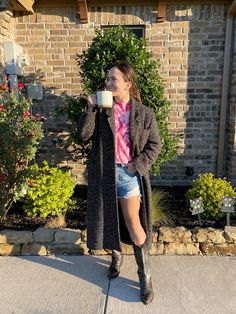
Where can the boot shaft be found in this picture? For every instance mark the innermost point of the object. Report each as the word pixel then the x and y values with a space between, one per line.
pixel 144 273
pixel 142 259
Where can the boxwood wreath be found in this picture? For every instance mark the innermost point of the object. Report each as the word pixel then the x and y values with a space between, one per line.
pixel 108 46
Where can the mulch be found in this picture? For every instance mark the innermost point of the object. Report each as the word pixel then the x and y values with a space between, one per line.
pixel 179 212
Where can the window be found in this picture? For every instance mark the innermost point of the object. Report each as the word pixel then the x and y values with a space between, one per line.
pixel 138 30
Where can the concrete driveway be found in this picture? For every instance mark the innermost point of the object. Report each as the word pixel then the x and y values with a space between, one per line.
pixel 78 284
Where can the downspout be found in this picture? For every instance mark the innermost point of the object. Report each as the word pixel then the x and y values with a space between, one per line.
pixel 225 88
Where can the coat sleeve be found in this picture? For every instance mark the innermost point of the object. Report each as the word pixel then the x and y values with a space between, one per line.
pixel 86 125
pixel 148 156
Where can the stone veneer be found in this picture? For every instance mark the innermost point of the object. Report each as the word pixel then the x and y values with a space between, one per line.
pixel 167 241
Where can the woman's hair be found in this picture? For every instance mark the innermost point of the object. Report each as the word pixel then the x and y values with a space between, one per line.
pixel 129 75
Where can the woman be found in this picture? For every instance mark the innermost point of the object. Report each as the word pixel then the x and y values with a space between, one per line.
pixel 126 143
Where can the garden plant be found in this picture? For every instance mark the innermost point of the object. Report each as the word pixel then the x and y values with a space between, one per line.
pixel 20 133
pixel 160 207
pixel 49 191
pixel 211 190
pixel 109 46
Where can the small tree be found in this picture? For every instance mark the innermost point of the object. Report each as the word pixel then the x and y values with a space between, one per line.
pixel 20 133
pixel 119 44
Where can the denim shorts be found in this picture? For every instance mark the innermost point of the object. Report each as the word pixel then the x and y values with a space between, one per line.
pixel 127 183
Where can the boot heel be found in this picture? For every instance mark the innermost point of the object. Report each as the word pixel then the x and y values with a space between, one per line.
pixel 116 262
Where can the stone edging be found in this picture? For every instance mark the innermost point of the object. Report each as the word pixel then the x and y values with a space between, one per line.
pixel 167 241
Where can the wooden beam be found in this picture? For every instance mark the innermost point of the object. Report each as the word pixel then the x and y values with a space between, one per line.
pixel 27 5
pixel 83 11
pixel 161 11
pixel 66 3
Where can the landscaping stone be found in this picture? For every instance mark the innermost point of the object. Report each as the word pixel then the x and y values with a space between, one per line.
pixel 16 237
pixel 154 236
pixel 179 234
pixel 209 235
pixel 85 249
pixel 230 234
pixel 100 252
pixel 84 235
pixel 3 238
pixel 169 241
pixel 127 249
pixel 9 249
pixel 181 248
pixel 219 249
pixel 67 236
pixel 33 249
pixel 43 235
pixel 157 249
pixel 66 248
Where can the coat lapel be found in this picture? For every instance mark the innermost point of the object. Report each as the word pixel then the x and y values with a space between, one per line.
pixel 134 121
pixel 111 119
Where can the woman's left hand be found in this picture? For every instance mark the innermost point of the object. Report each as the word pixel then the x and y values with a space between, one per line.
pixel 131 167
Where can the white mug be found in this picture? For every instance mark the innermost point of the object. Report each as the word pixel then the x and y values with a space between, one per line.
pixel 104 99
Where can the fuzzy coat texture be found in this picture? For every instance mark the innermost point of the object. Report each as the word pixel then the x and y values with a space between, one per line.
pixel 105 224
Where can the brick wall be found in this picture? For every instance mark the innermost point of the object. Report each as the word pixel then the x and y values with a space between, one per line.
pixel 191 53
pixel 6 30
pixel 189 45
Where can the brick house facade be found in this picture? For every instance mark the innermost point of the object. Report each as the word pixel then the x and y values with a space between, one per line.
pixel 189 40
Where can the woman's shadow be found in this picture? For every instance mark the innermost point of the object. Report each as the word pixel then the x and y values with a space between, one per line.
pixel 92 269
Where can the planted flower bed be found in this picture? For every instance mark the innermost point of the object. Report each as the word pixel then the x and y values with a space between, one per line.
pixel 177 210
pixel 21 235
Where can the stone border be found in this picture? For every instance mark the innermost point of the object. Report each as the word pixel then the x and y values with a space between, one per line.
pixel 167 241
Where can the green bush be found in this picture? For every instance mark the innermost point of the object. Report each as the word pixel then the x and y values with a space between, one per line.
pixel 49 191
pixel 115 44
pixel 211 190
pixel 160 206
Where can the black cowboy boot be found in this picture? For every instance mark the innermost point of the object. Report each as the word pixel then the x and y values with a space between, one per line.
pixel 144 273
pixel 116 262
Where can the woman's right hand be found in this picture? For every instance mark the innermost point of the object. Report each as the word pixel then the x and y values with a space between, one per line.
pixel 91 102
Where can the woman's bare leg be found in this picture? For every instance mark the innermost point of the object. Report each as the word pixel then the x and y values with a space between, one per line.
pixel 130 209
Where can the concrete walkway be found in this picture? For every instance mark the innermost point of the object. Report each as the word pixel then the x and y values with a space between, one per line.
pixel 78 285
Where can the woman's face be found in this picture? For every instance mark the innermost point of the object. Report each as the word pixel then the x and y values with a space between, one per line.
pixel 117 84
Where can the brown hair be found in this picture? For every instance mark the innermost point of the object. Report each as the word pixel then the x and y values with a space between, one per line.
pixel 129 75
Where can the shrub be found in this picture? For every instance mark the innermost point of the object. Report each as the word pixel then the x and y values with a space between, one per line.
pixel 120 44
pixel 49 191
pixel 20 133
pixel 211 190
pixel 160 205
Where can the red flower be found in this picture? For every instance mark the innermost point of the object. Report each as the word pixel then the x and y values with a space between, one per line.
pixel 21 85
pixel 26 114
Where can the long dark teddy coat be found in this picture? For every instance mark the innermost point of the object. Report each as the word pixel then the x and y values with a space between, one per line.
pixel 105 224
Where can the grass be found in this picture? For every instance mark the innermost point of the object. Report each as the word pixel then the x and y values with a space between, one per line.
pixel 160 208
